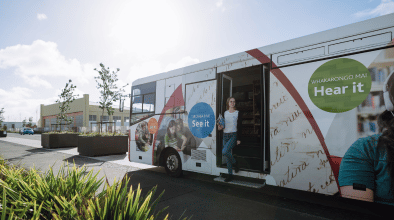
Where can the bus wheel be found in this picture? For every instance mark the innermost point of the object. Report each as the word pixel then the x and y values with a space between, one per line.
pixel 173 164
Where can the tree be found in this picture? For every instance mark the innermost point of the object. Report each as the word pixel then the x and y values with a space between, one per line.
pixel 109 91
pixel 1 116
pixel 65 98
pixel 30 124
pixel 24 123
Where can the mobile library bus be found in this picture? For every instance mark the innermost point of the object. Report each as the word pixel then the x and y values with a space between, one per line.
pixel 304 102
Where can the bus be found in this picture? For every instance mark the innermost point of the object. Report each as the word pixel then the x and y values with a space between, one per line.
pixel 304 102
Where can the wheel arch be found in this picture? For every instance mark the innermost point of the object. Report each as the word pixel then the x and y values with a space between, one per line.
pixel 164 153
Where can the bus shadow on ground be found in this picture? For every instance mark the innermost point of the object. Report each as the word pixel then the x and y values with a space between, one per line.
pixel 60 149
pixel 173 188
pixel 37 151
pixel 83 161
pixel 113 157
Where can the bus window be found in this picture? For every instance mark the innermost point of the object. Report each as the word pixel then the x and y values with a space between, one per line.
pixel 149 103
pixel 137 104
pixel 143 100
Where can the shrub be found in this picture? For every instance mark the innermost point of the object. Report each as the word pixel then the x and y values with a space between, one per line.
pixel 38 132
pixel 104 134
pixel 60 132
pixel 1 116
pixel 65 99
pixel 106 82
pixel 28 194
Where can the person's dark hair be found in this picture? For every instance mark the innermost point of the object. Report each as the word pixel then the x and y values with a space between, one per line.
pixel 179 121
pixel 386 140
pixel 171 124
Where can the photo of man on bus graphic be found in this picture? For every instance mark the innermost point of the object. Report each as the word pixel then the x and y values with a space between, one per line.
pixel 143 138
pixel 175 133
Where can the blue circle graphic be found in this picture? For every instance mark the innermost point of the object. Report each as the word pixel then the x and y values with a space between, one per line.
pixel 201 120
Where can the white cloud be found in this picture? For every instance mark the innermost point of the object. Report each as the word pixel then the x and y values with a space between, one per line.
pixel 143 30
pixel 44 71
pixel 385 7
pixel 143 70
pixel 155 67
pixel 41 61
pixel 220 5
pixel 20 103
pixel 41 17
pixel 77 91
pixel 186 61
pixel 36 81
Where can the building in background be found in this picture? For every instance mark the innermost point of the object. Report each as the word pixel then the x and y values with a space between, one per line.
pixel 84 115
pixel 15 126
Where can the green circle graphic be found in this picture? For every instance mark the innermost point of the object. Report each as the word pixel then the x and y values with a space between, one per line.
pixel 339 85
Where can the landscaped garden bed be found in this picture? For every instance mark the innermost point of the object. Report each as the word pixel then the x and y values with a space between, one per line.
pixel 102 144
pixel 59 140
pixel 71 193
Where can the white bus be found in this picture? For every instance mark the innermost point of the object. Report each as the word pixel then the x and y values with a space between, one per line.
pixel 304 102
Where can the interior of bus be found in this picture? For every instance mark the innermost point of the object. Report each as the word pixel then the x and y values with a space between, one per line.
pixel 247 87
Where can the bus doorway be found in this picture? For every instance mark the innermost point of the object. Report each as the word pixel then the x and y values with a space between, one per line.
pixel 248 87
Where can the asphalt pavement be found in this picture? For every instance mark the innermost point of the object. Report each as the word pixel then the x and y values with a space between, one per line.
pixel 193 195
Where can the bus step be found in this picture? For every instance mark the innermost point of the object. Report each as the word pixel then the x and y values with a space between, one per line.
pixel 239 182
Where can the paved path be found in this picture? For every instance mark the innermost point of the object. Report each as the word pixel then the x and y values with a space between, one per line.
pixel 118 159
pixel 111 167
pixel 196 193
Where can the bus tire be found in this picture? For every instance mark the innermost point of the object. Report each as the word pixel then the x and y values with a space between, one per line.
pixel 173 163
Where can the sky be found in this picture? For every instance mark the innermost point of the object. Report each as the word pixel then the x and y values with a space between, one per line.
pixel 44 43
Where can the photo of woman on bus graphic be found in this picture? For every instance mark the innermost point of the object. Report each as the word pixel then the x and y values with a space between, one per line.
pixel 172 136
pixel 172 133
pixel 143 138
pixel 231 126
pixel 367 169
pixel 179 137
pixel 183 130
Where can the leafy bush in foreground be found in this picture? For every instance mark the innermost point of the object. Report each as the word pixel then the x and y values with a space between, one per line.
pixel 27 194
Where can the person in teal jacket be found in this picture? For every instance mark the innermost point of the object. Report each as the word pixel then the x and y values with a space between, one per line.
pixel 366 172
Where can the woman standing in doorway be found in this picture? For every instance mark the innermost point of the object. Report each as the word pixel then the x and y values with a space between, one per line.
pixel 232 131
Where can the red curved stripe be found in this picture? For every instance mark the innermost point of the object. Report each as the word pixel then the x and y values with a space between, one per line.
pixel 260 56
pixel 177 99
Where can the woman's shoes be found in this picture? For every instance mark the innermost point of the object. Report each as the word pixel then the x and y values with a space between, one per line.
pixel 229 178
pixel 236 168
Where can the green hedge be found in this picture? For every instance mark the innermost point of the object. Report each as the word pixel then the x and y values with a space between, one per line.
pixel 90 134
pixel 71 194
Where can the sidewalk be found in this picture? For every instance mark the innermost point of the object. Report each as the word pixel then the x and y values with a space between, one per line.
pixel 202 200
pixel 198 194
pixel 118 159
pixel 112 167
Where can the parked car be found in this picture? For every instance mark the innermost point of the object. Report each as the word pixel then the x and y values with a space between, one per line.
pixel 26 131
pixel 3 133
